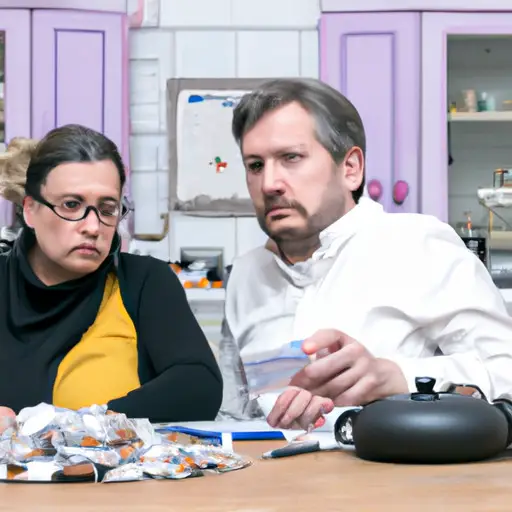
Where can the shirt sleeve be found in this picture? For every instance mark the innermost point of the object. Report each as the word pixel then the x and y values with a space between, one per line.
pixel 236 404
pixel 188 384
pixel 463 313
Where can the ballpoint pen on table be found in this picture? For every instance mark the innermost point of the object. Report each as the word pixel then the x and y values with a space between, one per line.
pixel 293 448
pixel 299 444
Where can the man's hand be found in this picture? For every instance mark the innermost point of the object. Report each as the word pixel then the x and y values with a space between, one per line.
pixel 298 409
pixel 343 373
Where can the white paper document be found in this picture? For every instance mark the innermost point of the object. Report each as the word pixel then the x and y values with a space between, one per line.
pixel 324 435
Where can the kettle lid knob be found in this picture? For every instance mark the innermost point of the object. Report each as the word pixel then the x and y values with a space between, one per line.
pixel 425 385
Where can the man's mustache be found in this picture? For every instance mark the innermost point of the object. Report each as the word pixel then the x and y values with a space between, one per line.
pixel 275 203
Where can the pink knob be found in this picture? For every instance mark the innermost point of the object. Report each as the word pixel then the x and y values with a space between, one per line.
pixel 400 192
pixel 374 188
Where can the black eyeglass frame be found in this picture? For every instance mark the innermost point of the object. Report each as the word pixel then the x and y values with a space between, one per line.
pixel 125 210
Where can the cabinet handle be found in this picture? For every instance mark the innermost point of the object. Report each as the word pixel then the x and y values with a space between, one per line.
pixel 374 189
pixel 400 192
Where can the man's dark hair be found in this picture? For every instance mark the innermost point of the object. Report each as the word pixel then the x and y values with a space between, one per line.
pixel 338 124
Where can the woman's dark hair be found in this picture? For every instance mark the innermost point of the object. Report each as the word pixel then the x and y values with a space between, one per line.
pixel 65 144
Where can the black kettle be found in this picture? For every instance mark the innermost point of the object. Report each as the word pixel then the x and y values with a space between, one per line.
pixel 427 427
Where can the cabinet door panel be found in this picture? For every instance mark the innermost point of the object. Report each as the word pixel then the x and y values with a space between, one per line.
pixel 14 85
pixel 374 59
pixel 78 61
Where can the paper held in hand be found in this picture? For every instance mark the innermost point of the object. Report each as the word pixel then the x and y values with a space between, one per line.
pixel 272 370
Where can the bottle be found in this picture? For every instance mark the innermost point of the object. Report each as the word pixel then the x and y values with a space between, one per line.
pixel 473 240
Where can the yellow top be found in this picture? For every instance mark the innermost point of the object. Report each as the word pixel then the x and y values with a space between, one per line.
pixel 103 365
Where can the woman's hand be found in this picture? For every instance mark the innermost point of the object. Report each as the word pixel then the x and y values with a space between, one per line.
pixel 7 417
pixel 5 411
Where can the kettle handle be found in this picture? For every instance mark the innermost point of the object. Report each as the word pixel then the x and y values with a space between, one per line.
pixel 344 425
pixel 505 406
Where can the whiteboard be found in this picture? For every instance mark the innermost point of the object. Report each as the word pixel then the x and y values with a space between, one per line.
pixel 209 162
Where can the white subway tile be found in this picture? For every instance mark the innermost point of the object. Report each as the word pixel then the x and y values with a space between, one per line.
pixel 264 54
pixel 249 235
pixel 309 54
pixel 163 191
pixel 144 75
pixel 275 13
pixel 145 199
pixel 195 13
pixel 149 43
pixel 205 54
pixel 163 185
pixel 152 63
pixel 145 118
pixel 148 153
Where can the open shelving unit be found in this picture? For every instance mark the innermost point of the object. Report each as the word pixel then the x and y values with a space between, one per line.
pixel 502 116
pixel 479 142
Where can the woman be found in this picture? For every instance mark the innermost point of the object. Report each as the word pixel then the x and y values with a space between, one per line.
pixel 80 322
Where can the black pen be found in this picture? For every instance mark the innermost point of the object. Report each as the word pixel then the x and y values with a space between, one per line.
pixel 293 448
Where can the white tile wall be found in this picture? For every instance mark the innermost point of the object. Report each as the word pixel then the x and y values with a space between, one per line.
pixel 203 232
pixel 275 13
pixel 248 235
pixel 205 38
pixel 149 152
pixel 195 13
pixel 152 62
pixel 309 61
pixel 205 54
pixel 268 53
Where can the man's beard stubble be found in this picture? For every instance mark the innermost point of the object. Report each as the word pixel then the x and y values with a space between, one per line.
pixel 332 207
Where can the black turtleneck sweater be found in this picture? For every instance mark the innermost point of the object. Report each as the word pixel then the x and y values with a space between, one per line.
pixel 39 325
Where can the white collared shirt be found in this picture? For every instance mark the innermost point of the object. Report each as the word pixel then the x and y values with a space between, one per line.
pixel 404 285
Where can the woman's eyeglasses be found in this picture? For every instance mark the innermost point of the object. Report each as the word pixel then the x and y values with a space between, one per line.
pixel 73 210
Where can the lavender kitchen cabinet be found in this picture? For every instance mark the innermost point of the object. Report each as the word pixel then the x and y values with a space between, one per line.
pixel 78 72
pixel 436 29
pixel 374 59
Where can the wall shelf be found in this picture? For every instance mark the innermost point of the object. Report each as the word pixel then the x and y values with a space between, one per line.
pixel 504 116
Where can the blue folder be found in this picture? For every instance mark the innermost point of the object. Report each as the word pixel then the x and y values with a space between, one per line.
pixel 263 435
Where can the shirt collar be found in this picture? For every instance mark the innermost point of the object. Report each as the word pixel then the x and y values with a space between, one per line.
pixel 339 232
pixel 332 239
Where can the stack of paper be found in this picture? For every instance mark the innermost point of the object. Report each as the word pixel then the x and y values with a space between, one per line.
pixel 324 435
pixel 256 430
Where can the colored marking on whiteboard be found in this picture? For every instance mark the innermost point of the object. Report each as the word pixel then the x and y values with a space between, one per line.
pixel 219 164
pixel 227 101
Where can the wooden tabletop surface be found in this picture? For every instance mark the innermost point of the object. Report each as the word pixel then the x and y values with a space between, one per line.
pixel 326 480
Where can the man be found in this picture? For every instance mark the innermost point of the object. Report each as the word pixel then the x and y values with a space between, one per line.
pixel 378 298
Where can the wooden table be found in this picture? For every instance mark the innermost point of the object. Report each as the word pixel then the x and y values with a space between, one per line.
pixel 336 481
